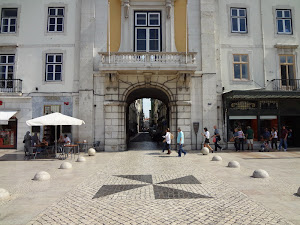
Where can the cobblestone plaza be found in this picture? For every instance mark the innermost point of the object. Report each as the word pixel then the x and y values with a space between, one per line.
pixel 149 187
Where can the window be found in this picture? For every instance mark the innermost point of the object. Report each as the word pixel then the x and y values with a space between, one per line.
pixel 48 109
pixel 287 70
pixel 241 67
pixel 284 21
pixel 56 19
pixel 238 20
pixel 54 63
pixel 147 32
pixel 6 70
pixel 9 20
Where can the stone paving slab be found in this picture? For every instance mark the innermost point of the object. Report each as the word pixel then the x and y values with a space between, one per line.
pixel 150 189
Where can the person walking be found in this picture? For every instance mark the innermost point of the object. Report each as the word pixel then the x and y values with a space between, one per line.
pixel 180 142
pixel 274 138
pixel 206 141
pixel 217 138
pixel 27 141
pixel 241 137
pixel 283 139
pixel 249 137
pixel 167 141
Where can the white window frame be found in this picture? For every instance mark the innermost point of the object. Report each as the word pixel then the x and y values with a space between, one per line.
pixel 56 17
pixel 148 38
pixel 9 22
pixel 54 64
pixel 148 27
pixel 4 83
pixel 289 81
pixel 240 63
pixel 153 13
pixel 284 19
pixel 135 19
pixel 238 17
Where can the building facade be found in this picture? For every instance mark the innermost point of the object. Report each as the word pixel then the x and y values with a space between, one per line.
pixel 226 63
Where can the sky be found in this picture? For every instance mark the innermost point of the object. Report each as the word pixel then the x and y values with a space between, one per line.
pixel 146 106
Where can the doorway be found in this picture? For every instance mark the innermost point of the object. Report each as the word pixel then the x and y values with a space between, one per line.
pixel 147 117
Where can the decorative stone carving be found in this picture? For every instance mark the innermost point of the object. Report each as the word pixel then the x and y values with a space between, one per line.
pixel 147 78
pixel 126 8
pixel 260 174
pixel 111 80
pixel 168 8
pixel 183 81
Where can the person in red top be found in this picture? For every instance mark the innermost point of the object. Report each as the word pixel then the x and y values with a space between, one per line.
pixel 283 138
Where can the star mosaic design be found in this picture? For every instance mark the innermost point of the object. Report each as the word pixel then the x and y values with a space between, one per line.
pixel 160 192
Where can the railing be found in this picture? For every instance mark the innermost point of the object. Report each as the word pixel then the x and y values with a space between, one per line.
pixel 11 85
pixel 286 84
pixel 148 57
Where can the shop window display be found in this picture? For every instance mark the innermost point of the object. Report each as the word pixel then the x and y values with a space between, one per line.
pixel 243 123
pixel 8 134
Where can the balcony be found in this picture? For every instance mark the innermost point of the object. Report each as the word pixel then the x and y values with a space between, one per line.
pixel 147 61
pixel 10 86
pixel 286 84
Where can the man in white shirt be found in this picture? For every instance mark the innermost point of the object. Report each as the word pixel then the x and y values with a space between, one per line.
pixel 167 141
pixel 67 140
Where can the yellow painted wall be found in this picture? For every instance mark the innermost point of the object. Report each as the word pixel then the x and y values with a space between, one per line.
pixel 115 25
pixel 180 24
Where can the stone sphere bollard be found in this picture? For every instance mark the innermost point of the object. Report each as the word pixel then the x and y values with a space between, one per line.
pixel 41 176
pixel 66 165
pixel 81 159
pixel 205 151
pixel 260 174
pixel 92 152
pixel 298 193
pixel 4 194
pixel 233 164
pixel 216 158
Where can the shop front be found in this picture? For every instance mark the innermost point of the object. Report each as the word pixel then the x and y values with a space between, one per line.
pixel 262 110
pixel 8 130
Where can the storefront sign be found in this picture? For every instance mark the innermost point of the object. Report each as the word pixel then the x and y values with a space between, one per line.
pixel 243 105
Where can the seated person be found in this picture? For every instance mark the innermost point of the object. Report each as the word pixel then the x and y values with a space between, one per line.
pixel 67 140
pixel 61 139
pixel 43 144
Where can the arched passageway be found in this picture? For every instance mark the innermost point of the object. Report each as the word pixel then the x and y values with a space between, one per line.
pixel 123 89
pixel 144 130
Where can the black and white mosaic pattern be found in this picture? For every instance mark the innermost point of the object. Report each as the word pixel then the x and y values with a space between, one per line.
pixel 160 192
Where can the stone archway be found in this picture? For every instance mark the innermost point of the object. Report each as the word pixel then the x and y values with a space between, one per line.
pixel 121 89
pixel 153 93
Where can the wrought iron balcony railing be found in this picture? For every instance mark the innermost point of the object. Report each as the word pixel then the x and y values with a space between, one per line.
pixel 286 84
pixel 11 85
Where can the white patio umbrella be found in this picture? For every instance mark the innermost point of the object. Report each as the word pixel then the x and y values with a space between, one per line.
pixel 54 119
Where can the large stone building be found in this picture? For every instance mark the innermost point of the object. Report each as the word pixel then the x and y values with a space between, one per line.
pixel 224 63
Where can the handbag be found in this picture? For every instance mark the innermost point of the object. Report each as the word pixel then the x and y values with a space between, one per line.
pixel 214 139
